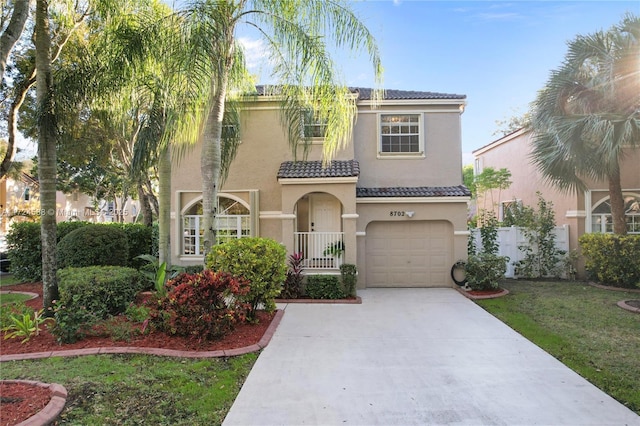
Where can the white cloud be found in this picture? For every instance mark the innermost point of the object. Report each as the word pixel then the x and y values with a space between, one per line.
pixel 256 54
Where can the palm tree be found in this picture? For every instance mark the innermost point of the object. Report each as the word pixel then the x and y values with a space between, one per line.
pixel 46 152
pixel 589 111
pixel 298 34
pixel 12 32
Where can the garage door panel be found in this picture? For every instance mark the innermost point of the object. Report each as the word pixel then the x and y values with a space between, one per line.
pixel 409 254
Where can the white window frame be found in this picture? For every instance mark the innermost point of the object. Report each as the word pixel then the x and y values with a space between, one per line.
pixel 603 223
pixel 192 244
pixel 314 124
pixel 402 155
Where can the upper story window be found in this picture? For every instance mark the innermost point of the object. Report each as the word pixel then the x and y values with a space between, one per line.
pixel 401 134
pixel 312 126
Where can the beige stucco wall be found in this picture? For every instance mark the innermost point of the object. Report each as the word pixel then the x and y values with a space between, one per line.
pixel 442 161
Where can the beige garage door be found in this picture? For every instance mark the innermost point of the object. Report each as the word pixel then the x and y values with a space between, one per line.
pixel 409 254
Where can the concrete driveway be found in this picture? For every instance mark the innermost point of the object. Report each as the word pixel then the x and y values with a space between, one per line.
pixel 412 357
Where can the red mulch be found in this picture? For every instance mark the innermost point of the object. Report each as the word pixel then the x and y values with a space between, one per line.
pixel 242 335
pixel 20 401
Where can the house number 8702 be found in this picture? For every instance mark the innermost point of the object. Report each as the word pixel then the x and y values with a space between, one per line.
pixel 396 213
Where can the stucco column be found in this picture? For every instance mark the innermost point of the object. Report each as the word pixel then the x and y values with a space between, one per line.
pixel 288 221
pixel 350 243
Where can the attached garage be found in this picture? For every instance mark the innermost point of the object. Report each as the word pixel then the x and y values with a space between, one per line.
pixel 409 254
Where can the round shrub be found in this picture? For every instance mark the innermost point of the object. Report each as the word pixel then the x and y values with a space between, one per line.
pixel 204 306
pixel 140 242
pixel 484 271
pixel 261 261
pixel 90 293
pixel 104 290
pixel 93 245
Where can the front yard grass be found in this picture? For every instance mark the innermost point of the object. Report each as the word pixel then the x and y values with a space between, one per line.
pixel 140 389
pixel 582 327
pixel 8 280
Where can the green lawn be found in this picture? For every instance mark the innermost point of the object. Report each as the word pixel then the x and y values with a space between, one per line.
pixel 139 389
pixel 581 326
pixel 8 280
pixel 13 298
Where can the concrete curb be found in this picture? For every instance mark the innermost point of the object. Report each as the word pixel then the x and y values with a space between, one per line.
pixel 52 410
pixel 262 343
pixel 624 305
pixel 356 301
pixel 504 292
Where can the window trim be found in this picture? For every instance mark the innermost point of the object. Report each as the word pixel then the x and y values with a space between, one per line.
pixel 605 218
pixel 401 155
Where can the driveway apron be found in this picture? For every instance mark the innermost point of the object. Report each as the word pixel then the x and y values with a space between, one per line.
pixel 412 357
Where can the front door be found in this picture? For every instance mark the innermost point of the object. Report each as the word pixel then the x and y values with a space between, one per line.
pixel 324 223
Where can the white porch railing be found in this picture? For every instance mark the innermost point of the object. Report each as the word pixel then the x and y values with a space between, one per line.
pixel 321 250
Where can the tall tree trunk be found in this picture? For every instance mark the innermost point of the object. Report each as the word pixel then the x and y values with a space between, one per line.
pixel 617 203
pixel 20 93
pixel 164 216
pixel 12 32
pixel 211 161
pixel 145 206
pixel 46 153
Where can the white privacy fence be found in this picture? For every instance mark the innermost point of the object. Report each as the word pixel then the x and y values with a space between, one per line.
pixel 512 238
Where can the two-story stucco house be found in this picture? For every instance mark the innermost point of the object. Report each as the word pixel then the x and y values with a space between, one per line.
pixel 392 202
pixel 584 211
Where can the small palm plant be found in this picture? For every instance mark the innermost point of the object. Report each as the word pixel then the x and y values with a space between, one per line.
pixel 25 326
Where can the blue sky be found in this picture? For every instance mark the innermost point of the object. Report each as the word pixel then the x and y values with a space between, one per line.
pixel 499 54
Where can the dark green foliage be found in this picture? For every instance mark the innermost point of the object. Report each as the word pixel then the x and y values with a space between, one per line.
pixel 94 245
pixel 91 293
pixel 139 238
pixel 25 254
pixel 155 240
pixel 542 258
pixel 485 270
pixel 324 287
pixel 261 261
pixel 349 275
pixel 193 269
pixel 202 306
pixel 65 228
pixel 612 259
pixel 489 233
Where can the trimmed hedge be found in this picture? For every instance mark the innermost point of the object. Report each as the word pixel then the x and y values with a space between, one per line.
pixel 612 259
pixel 24 251
pixel 103 290
pixel 261 261
pixel 324 287
pixel 25 254
pixel 93 245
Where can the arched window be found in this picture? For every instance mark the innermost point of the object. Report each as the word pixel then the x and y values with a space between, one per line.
pixel 233 221
pixel 601 220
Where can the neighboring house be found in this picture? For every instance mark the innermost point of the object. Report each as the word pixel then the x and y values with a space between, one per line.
pixel 584 211
pixel 79 206
pixel 19 196
pixel 392 202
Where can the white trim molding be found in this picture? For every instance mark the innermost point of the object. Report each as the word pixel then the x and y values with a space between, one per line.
pixel 575 213
pixel 276 215
pixel 350 216
pixel 317 181
pixel 361 234
pixel 462 233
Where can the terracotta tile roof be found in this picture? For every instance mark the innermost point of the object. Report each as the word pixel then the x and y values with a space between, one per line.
pixel 420 191
pixel 314 169
pixel 364 93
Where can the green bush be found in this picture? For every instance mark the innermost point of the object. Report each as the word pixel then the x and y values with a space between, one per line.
pixel 261 261
pixel 90 293
pixel 104 290
pixel 484 271
pixel 65 228
pixel 140 240
pixel 349 274
pixel 24 252
pixel 93 245
pixel 324 287
pixel 612 259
